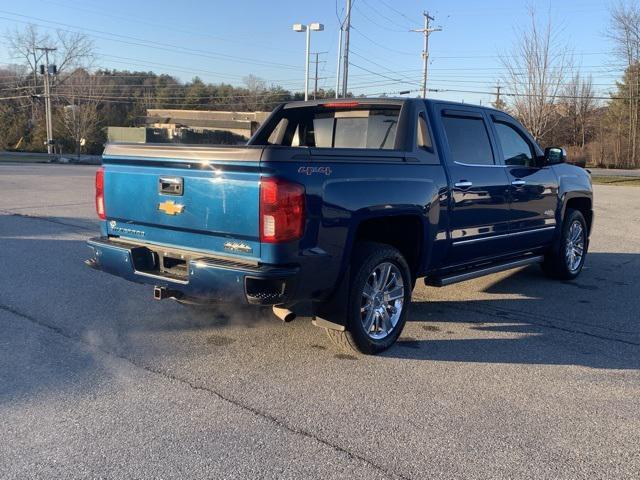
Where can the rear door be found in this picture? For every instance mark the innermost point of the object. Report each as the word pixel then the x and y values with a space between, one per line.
pixel 479 220
pixel 533 189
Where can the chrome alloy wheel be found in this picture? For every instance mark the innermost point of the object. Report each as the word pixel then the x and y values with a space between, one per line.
pixel 382 301
pixel 574 248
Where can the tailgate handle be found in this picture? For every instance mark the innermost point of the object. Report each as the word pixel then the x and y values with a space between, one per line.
pixel 171 185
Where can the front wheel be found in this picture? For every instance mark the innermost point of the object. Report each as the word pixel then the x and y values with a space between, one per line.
pixel 566 258
pixel 379 296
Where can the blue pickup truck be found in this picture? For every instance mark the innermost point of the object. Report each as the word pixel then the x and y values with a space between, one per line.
pixel 342 205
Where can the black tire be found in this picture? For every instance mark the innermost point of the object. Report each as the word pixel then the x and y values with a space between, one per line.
pixel 367 257
pixel 556 262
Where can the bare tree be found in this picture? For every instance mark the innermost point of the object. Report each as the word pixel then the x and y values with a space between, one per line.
pixel 73 49
pixel 624 31
pixel 578 108
pixel 80 97
pixel 535 73
pixel 256 89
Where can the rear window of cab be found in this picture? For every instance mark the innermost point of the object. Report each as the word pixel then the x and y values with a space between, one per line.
pixel 370 127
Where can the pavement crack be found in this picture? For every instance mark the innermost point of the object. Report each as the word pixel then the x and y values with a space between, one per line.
pixel 201 388
pixel 532 319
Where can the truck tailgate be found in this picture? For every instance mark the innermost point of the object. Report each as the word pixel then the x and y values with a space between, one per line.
pixel 202 198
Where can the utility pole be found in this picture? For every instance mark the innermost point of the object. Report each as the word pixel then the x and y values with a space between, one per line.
pixel 345 68
pixel 315 78
pixel 426 31
pixel 339 63
pixel 47 96
pixel 498 88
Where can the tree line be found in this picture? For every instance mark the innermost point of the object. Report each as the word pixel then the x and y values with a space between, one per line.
pixel 559 105
pixel 541 86
pixel 85 102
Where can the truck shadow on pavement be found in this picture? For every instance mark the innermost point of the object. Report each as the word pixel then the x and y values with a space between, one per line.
pixel 46 292
pixel 592 321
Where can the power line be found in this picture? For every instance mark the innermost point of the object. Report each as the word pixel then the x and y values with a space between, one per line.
pixel 359 32
pixel 229 99
pixel 396 11
pixel 192 32
pixel 388 19
pixel 377 24
pixel 530 95
pixel 384 69
pixel 511 56
pixel 179 87
pixel 174 97
pixel 375 73
pixel 126 39
pixel 15 97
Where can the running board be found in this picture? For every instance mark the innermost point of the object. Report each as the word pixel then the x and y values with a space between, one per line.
pixel 481 271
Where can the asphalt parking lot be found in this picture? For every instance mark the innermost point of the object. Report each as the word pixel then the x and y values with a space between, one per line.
pixel 508 376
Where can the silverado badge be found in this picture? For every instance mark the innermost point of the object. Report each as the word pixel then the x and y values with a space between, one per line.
pixel 170 207
pixel 238 247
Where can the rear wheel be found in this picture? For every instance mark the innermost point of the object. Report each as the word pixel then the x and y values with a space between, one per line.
pixel 566 259
pixel 379 296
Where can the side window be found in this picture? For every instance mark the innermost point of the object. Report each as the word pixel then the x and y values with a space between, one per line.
pixel 375 129
pixel 278 132
pixel 423 137
pixel 323 131
pixel 295 140
pixel 468 140
pixel 516 150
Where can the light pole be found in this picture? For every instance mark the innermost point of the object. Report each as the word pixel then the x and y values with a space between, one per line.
pixel 299 27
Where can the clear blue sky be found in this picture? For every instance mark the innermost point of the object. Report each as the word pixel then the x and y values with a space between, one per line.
pixel 227 40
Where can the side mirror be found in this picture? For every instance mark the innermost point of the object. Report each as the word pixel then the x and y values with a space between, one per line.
pixel 554 155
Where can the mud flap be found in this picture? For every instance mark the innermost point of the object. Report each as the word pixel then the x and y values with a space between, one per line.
pixel 332 313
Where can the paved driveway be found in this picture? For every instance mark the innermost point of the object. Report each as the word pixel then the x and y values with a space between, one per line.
pixel 508 376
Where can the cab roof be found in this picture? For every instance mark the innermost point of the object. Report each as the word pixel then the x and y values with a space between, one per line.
pixel 378 101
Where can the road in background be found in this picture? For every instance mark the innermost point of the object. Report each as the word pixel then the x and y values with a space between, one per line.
pixel 37 157
pixel 507 376
pixel 610 172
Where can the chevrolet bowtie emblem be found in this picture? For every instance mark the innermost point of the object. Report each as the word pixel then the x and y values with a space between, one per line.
pixel 170 207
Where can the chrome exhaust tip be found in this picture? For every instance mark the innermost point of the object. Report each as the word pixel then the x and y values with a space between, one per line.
pixel 160 293
pixel 283 314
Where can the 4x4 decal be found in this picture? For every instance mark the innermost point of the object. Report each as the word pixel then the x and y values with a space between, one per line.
pixel 310 170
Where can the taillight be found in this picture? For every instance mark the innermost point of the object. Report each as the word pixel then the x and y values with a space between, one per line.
pixel 281 210
pixel 100 193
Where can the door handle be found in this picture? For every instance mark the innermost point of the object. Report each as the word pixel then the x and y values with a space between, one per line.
pixel 518 183
pixel 463 184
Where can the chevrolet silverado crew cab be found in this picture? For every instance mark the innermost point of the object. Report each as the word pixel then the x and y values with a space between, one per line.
pixel 342 205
